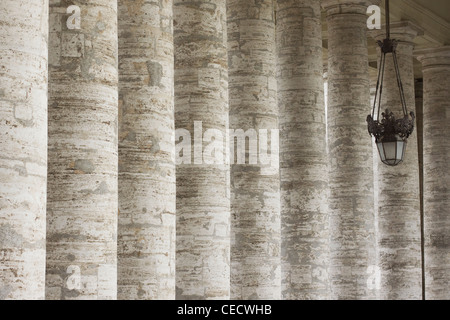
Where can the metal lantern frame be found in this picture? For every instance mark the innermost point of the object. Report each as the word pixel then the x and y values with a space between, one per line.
pixel 390 134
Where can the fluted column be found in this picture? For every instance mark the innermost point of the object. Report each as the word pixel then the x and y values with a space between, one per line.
pixel 23 144
pixel 203 181
pixel 436 146
pixel 303 154
pixel 82 178
pixel 398 187
pixel 146 231
pixel 255 187
pixel 350 151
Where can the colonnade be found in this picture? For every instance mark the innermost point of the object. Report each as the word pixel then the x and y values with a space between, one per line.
pixel 115 175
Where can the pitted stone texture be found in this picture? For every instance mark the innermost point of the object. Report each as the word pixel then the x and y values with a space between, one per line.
pixel 398 187
pixel 376 281
pixel 203 191
pixel 255 188
pixel 352 228
pixel 23 141
pixel 303 153
pixel 82 179
pixel 146 232
pixel 436 118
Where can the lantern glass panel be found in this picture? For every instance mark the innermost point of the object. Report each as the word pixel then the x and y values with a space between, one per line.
pixel 392 152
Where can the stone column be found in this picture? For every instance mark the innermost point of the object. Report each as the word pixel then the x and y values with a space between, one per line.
pixel 398 187
pixel 203 181
pixel 303 153
pixel 436 146
pixel 350 151
pixel 23 144
pixel 375 270
pixel 146 232
pixel 82 179
pixel 255 187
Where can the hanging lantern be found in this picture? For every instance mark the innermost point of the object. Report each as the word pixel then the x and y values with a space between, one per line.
pixel 390 134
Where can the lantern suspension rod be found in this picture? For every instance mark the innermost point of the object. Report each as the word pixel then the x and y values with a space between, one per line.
pixel 376 91
pixel 388 21
pixel 379 87
pixel 400 84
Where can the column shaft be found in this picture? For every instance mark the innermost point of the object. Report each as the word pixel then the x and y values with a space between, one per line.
pixel 255 195
pixel 146 231
pixel 82 179
pixel 398 187
pixel 303 153
pixel 375 270
pixel 203 185
pixel 23 144
pixel 436 148
pixel 350 150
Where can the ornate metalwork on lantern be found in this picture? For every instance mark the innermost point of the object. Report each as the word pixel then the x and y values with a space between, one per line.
pixel 390 134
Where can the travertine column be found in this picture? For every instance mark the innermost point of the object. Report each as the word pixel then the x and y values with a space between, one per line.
pixel 203 185
pixel 436 146
pixel 303 154
pixel 23 147
pixel 82 180
pixel 255 188
pixel 375 270
pixel 350 150
pixel 398 187
pixel 146 232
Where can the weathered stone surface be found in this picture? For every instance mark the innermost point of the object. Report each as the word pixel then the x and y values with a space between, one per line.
pixel 376 279
pixel 436 146
pixel 23 144
pixel 398 187
pixel 82 178
pixel 303 153
pixel 255 188
pixel 203 190
pixel 146 231
pixel 352 228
